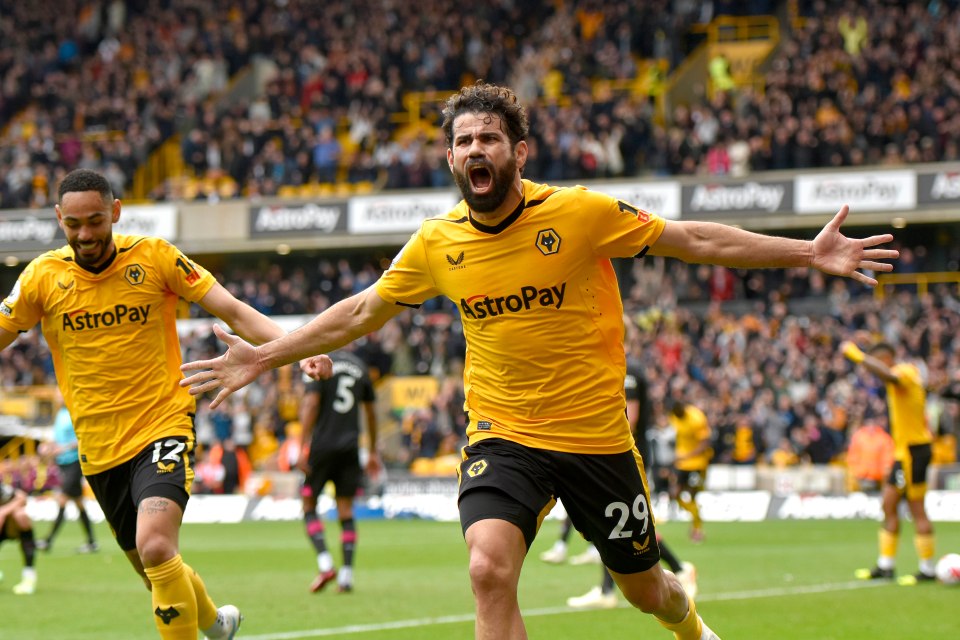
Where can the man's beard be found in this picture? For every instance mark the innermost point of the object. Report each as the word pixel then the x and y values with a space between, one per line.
pixel 501 181
pixel 82 259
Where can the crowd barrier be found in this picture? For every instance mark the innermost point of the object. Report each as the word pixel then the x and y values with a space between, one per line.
pixel 436 499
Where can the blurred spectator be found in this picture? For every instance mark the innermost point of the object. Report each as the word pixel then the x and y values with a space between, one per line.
pixel 870 456
pixel 235 463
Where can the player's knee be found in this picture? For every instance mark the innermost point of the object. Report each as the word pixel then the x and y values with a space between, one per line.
pixel 486 574
pixel 22 520
pixel 155 550
pixel 650 596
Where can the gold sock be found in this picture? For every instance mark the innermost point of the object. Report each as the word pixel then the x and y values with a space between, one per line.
pixel 690 628
pixel 888 544
pixel 923 542
pixel 174 601
pixel 206 609
pixel 694 510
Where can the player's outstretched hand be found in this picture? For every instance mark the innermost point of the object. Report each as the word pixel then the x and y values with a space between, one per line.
pixel 317 367
pixel 838 255
pixel 235 369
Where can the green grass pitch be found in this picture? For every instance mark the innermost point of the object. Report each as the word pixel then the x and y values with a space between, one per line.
pixel 787 580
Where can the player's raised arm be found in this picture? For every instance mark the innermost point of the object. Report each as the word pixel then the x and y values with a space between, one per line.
pixel 342 323
pixel 878 366
pixel 830 252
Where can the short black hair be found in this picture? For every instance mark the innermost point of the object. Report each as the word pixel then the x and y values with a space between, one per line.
pixel 678 407
pixel 85 180
pixel 483 97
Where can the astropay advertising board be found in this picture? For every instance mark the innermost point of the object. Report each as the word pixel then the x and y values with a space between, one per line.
pixel 155 220
pixel 939 187
pixel 395 213
pixel 23 230
pixel 733 197
pixel 298 219
pixel 873 191
pixel 660 198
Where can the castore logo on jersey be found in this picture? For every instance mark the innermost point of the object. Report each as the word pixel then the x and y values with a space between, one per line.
pixel 456 263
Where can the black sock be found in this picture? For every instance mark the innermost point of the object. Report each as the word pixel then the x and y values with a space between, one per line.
pixel 56 524
pixel 315 531
pixel 87 525
pixel 28 546
pixel 667 556
pixel 566 529
pixel 606 585
pixel 348 538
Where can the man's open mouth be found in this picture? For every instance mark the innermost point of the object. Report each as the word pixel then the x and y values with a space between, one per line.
pixel 481 178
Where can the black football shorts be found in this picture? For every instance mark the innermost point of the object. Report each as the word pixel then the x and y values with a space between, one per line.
pixel 342 468
pixel 164 469
pixel 605 496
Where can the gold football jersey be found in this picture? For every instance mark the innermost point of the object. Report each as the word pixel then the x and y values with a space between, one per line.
pixel 113 337
pixel 541 312
pixel 692 429
pixel 906 404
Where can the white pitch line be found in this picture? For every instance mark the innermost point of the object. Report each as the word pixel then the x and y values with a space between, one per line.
pixel 552 611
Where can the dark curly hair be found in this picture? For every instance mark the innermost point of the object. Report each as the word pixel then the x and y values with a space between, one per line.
pixel 483 97
pixel 85 180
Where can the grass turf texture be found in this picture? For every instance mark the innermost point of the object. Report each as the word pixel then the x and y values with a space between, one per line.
pixel 784 580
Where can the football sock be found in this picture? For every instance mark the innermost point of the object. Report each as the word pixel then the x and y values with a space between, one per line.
pixel 667 556
pixel 691 506
pixel 565 530
pixel 206 609
pixel 690 628
pixel 606 584
pixel 348 539
pixel 87 526
pixel 314 527
pixel 923 542
pixel 888 549
pixel 56 524
pixel 173 599
pixel 28 546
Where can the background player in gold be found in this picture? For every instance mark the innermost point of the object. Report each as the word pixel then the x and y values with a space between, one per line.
pixel 906 405
pixel 529 266
pixel 693 454
pixel 107 308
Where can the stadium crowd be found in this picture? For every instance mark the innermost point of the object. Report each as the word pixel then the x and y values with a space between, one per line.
pixel 757 351
pixel 850 84
pixel 104 83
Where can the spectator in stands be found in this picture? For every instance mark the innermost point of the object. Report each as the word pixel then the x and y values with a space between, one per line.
pixel 235 464
pixel 870 456
pixel 326 155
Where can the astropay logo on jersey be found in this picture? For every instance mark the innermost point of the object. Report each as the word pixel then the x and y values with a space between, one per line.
pixel 119 314
pixel 483 306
